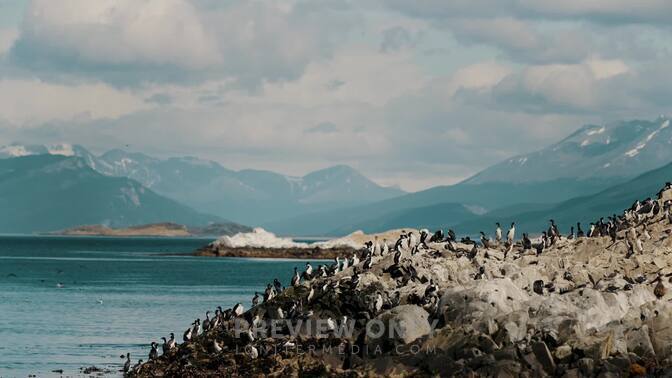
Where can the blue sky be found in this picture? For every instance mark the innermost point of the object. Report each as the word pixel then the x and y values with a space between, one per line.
pixel 412 93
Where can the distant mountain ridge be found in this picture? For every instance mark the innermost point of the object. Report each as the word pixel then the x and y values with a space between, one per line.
pixel 246 196
pixel 43 193
pixel 619 149
pixel 590 160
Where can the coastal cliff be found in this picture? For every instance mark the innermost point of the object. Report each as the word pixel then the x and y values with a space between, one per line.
pixel 579 306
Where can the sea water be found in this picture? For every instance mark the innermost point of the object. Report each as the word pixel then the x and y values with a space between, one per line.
pixel 73 302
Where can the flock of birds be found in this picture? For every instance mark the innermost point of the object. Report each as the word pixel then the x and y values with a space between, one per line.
pixel 630 221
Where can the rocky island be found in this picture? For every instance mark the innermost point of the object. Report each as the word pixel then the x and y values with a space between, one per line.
pixel 156 229
pixel 572 305
pixel 263 244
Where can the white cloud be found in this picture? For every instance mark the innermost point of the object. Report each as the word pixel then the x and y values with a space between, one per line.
pixel 31 102
pixel 152 41
pixel 117 32
pixel 7 38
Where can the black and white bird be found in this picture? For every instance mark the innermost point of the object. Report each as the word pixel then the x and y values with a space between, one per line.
pixel 172 344
pixel 296 279
pixel 397 257
pixel 252 351
pixel 498 233
pixel 485 241
pixel 355 259
pixel 186 337
pixel 164 347
pixel 527 243
pixel 127 364
pixel 269 293
pixel 255 299
pixel 512 233
pixel 431 289
pixel 196 330
pixel 238 310
pixel 206 322
pixel 378 303
pixel 277 285
pixel 579 231
pixel 311 294
pixel 215 346
pixel 154 352
pixel 308 273
pixel 368 263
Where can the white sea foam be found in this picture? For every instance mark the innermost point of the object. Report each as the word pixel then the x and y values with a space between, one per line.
pixel 260 238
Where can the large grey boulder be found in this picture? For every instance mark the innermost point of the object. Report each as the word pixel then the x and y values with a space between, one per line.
pixel 400 325
pixel 480 303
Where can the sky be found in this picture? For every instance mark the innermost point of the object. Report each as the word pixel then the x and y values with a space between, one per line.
pixel 410 93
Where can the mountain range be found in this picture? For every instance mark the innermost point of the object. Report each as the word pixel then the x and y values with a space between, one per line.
pixel 594 160
pixel 245 196
pixel 589 173
pixel 44 193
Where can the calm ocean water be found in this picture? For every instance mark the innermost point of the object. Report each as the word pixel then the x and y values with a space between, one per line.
pixel 145 294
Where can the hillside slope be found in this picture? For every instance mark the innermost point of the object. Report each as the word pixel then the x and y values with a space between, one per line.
pixel 46 193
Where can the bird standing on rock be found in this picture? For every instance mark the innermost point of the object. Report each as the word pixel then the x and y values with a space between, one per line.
pixel 154 352
pixel 498 233
pixel 512 233
pixel 171 342
pixel 397 257
pixel 277 285
pixel 296 279
pixel 238 310
pixel 127 364
pixel 255 299
pixel 186 337
pixel 485 241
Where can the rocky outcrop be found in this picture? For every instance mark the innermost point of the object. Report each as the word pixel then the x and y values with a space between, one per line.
pixel 578 307
pixel 277 253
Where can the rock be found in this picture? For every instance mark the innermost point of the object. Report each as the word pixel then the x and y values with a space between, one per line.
pixel 639 342
pixel 402 325
pixel 482 302
pixel 544 356
pixel 563 352
pixel 572 373
pixel 586 366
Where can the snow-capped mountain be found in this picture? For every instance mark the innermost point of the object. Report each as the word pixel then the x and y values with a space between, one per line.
pixel 621 149
pixel 247 196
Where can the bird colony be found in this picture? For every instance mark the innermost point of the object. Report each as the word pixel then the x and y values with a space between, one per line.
pixel 582 303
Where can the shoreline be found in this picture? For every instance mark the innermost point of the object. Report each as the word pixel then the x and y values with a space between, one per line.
pixel 315 253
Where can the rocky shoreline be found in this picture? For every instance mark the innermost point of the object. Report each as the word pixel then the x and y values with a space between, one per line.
pixel 276 253
pixel 581 306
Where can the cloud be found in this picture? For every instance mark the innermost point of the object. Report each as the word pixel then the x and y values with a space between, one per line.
pixel 324 128
pixel 129 43
pixel 159 99
pixel 397 38
pixel 600 11
pixel 417 93
pixel 546 31
pixel 7 39
pixel 31 102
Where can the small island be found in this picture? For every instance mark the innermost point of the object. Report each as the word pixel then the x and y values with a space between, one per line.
pixel 263 244
pixel 165 229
